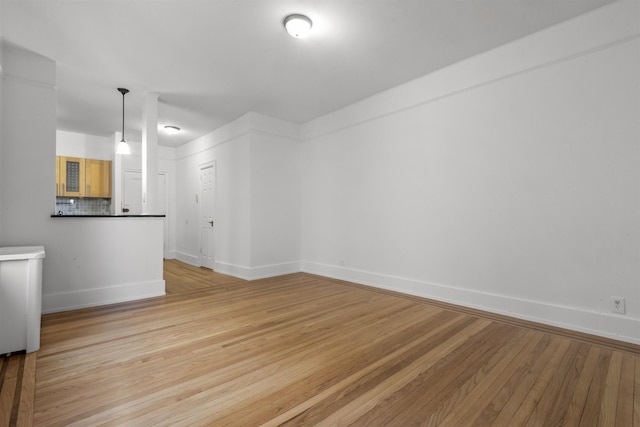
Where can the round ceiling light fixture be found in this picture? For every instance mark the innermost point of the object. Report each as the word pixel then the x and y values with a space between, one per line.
pixel 172 130
pixel 297 25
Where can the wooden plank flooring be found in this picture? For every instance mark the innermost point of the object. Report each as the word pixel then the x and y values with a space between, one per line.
pixel 17 385
pixel 306 350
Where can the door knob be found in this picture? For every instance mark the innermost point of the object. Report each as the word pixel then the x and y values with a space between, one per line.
pixel 210 222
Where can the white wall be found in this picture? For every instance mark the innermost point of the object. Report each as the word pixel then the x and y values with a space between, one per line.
pixel 257 211
pixel 1 121
pixel 97 261
pixel 75 144
pixel 230 150
pixel 27 172
pixel 275 197
pixel 507 182
pixel 89 261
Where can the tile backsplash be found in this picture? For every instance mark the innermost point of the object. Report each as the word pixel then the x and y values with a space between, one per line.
pixel 82 206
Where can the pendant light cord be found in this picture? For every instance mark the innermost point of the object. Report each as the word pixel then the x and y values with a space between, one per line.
pixel 123 117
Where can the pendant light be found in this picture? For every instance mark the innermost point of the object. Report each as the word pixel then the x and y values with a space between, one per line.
pixel 123 147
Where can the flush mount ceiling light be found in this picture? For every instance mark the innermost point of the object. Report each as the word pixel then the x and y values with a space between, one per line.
pixel 123 147
pixel 172 130
pixel 297 25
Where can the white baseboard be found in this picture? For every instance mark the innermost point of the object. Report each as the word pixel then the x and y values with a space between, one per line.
pixel 264 271
pixel 260 272
pixel 64 301
pixel 602 324
pixel 232 270
pixel 187 258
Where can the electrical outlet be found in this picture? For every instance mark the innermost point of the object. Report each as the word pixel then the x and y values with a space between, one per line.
pixel 617 305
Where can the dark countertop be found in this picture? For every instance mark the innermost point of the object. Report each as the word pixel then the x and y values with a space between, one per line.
pixel 110 216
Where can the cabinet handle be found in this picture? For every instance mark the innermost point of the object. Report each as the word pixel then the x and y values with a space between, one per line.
pixel 64 189
pixel 88 190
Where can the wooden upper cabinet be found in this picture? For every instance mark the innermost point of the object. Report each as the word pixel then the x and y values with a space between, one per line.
pixel 98 178
pixel 78 177
pixel 71 176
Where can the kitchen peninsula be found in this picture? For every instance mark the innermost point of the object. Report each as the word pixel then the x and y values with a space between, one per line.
pixel 103 259
pixel 106 254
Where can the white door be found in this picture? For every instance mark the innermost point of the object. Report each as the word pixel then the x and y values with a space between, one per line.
pixel 132 193
pixel 132 198
pixel 207 186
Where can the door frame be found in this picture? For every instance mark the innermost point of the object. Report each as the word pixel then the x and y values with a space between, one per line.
pixel 202 167
pixel 167 237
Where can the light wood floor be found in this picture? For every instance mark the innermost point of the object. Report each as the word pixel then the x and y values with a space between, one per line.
pixel 17 384
pixel 305 350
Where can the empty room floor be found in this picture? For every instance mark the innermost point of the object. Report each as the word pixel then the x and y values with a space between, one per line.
pixel 306 350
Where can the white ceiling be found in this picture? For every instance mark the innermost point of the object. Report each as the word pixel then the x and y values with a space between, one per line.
pixel 211 61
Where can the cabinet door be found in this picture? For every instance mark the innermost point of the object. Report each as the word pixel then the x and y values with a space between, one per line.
pixel 58 186
pixel 98 178
pixel 71 176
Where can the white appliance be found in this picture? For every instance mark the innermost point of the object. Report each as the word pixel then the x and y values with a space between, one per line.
pixel 20 298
